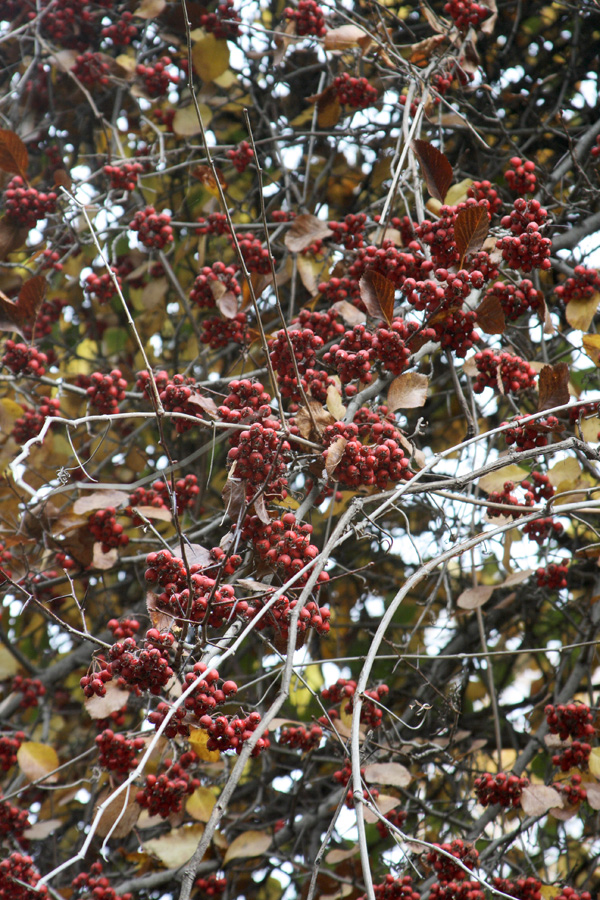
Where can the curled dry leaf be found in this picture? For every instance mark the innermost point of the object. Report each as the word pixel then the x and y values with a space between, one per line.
pixel 13 154
pixel 99 500
pixel 334 403
pixel 234 496
pixel 470 229
pixel 553 386
pixel 378 294
pixel 260 508
pixel 435 167
pixel 317 419
pixel 407 391
pixel 422 51
pixel 388 773
pixel 205 175
pixel 15 315
pixel 344 38
pixel 227 304
pixel 206 403
pixel 304 230
pixel 538 799
pixel 335 452
pixel 490 315
pixel 474 598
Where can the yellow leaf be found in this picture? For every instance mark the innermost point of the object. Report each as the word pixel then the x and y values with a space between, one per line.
pixel 210 57
pixel 457 193
pixel 495 480
pixel 248 844
pixel 198 739
pixel 185 121
pixel 567 470
pixel 201 804
pixel 594 762
pixel 8 664
pixel 591 345
pixel 177 847
pixel 580 313
pixel 150 9
pixel 37 760
pixel 127 63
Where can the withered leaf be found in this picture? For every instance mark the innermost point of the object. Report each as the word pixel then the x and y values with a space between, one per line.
pixel 205 175
pixel 490 315
pixel 227 305
pixel 471 229
pixel 14 315
pixel 378 293
pixel 304 231
pixel 335 451
pixel 11 236
pixel 260 508
pixel 436 168
pixel 344 37
pixel 234 496
pixel 553 386
pixel 315 417
pixel 407 391
pixel 13 154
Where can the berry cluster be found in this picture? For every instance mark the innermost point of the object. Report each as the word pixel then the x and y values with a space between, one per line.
pixel 224 22
pixel 352 356
pixel 350 232
pixel 466 13
pixel 523 889
pixel 343 776
pixel 95 884
pixel 124 177
pixel 159 496
pixel 24 360
pixel 9 745
pixel 506 497
pixel 573 720
pixel 540 488
pixel 534 434
pixel 260 457
pixel 31 690
pixel 241 156
pixel 344 690
pixel 354 92
pixel 516 300
pixel 375 463
pixel 540 529
pixel 218 332
pixel 521 177
pixel 525 248
pixel 283 543
pixel 156 78
pixel 325 324
pixel 206 601
pixel 5 559
pixel 445 869
pixel 457 890
pixel 26 205
pixel 102 287
pixel 300 738
pixel 501 788
pixel 31 422
pixel 49 313
pixel 205 698
pixel 575 756
pixel 572 793
pixel 163 793
pixel 554 576
pixel 174 395
pixel 147 668
pixel 256 257
pixel 106 391
pixel 214 223
pixel 338 289
pixel 205 292
pixel 308 17
pixel 13 820
pixel 232 734
pixel 514 373
pixel 454 331
pixel 167 570
pixel 304 346
pixel 569 893
pixel 18 879
pixel 122 32
pixel 91 69
pixel 394 889
pixel 580 286
pixel 154 228
pixel 104 527
pixel 116 752
pixel 124 628
pixel 484 190
pixel 397 817
pixel 211 886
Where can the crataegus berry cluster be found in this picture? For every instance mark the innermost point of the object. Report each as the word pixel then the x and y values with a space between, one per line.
pixel 163 793
pixel 122 32
pixel 523 889
pixel 18 879
pixel 484 190
pixel 525 248
pixel 540 529
pixel 256 257
pixel 31 422
pixel 351 357
pixel 308 17
pixel 25 205
pixel 156 78
pixel 445 869
pixel 218 332
pixel 31 689
pixel 575 756
pixel 214 223
pixel 466 13
pixel 573 720
pixel 569 893
pixel 573 794
pixel 159 496
pixel 521 177
pixel 554 576
pixel 174 395
pixel 301 738
pixel 457 890
pixel 378 462
pixel 95 884
pixel 9 745
pixel 241 156
pixel 260 456
pixel 116 752
pixel 397 818
pixel 394 889
pixel 123 628
pixel 91 69
pixel 13 820
pixel 106 391
pixel 580 286
pixel 283 543
pixel 103 287
pixel 540 487
pixel 342 692
pixel 516 300
pixel 205 698
pixel 501 788
pixel 349 232
pixel 343 776
pixel 354 92
pixel 212 282
pixel 534 434
pixel 514 373
pixel 147 668
pixel 24 360
pixel 154 228
pixel 124 177
pixel 232 733
pixel 507 498
pixel 211 885
pixel 224 22
pixel 104 527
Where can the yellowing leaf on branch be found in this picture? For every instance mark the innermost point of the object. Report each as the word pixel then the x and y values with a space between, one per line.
pixel 198 739
pixel 36 760
pixel 407 391
pixel 494 481
pixel 247 845
pixel 591 345
pixel 176 847
pixel 594 762
pixel 538 799
pixel 475 597
pixel 99 500
pixel 580 313
pixel 344 37
pixel 210 57
pixel 185 120
pixel 201 804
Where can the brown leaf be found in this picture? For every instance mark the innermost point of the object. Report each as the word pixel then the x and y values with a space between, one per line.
pixel 423 51
pixel 304 230
pixel 317 419
pixel 471 227
pixel 260 508
pixel 205 175
pixel 227 304
pixel 475 597
pixel 101 707
pixel 206 403
pixel 349 312
pixel 11 236
pixel 329 108
pixel 62 179
pixel 99 500
pixel 248 844
pixel 234 496
pixel 344 37
pixel 537 799
pixel 159 618
pixel 122 809
pixel 553 386
pixel 335 451
pixel 13 154
pixel 490 315
pixel 580 313
pixel 15 315
pixel 436 168
pixel 378 294
pixel 388 773
pixel 407 391
pixel 104 561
